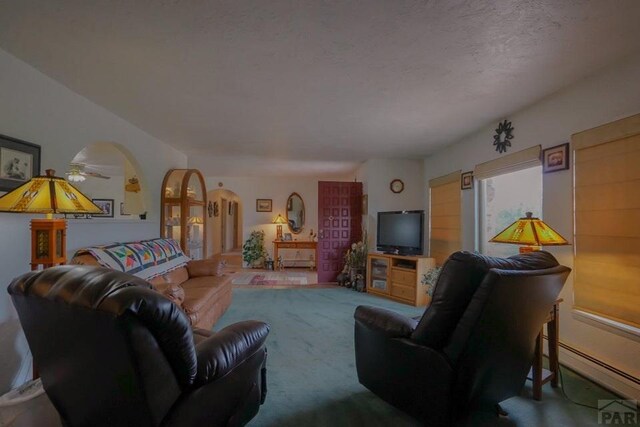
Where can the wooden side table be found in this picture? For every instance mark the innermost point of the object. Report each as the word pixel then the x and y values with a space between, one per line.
pixel 538 374
pixel 295 244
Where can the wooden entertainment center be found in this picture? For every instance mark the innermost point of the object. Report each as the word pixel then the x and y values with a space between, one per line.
pixel 398 277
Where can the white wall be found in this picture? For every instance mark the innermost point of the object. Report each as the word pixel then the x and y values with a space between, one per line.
pixel 376 175
pixel 278 189
pixel 611 94
pixel 36 108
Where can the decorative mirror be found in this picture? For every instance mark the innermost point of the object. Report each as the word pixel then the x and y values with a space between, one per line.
pixel 295 213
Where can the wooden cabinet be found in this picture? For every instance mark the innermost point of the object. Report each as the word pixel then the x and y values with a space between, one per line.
pixel 184 203
pixel 398 277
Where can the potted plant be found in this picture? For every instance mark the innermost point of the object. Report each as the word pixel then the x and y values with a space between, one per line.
pixel 430 278
pixel 356 259
pixel 253 251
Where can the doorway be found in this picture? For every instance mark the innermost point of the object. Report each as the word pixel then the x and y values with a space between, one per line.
pixel 339 223
pixel 225 225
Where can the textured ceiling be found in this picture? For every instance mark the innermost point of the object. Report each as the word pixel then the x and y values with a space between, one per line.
pixel 318 81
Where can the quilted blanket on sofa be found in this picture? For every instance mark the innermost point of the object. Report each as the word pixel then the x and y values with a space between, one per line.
pixel 146 259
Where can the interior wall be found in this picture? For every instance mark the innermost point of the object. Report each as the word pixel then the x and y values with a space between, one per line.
pixel 278 189
pixel 376 176
pixel 62 122
pixel 609 95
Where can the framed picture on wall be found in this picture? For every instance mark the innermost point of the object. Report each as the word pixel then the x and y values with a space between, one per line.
pixel 107 208
pixel 122 211
pixel 19 162
pixel 466 180
pixel 555 158
pixel 264 205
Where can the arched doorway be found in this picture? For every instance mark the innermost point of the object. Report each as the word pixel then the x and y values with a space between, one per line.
pixel 225 225
pixel 108 172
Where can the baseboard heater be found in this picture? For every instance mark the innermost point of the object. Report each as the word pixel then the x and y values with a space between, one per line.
pixel 599 362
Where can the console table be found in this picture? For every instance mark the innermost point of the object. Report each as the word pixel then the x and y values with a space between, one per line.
pixel 295 244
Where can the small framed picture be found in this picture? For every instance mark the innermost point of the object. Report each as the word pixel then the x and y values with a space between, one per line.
pixel 264 205
pixel 107 208
pixel 555 158
pixel 466 180
pixel 122 212
pixel 287 237
pixel 19 162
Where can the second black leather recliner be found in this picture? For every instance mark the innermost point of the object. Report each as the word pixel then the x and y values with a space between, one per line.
pixel 113 352
pixel 474 344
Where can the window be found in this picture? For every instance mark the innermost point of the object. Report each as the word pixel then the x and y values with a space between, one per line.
pixel 444 213
pixel 509 186
pixel 503 199
pixel 607 209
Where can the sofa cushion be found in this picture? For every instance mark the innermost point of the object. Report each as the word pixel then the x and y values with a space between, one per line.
pixel 179 275
pixel 459 279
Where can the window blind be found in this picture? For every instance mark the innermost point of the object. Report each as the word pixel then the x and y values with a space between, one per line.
pixel 444 235
pixel 509 163
pixel 607 218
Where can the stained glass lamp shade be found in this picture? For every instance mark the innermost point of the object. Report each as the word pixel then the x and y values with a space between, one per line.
pixel 531 233
pixel 279 220
pixel 47 194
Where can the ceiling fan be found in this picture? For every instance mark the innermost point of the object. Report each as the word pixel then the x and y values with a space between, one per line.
pixel 78 173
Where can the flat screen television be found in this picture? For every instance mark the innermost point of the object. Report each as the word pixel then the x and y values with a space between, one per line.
pixel 400 232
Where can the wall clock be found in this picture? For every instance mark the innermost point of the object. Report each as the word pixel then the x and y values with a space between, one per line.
pixel 397 186
pixel 504 135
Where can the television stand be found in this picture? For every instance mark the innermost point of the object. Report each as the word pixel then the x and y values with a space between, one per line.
pixel 398 277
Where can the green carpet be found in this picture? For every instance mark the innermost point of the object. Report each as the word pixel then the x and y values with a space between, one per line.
pixel 312 378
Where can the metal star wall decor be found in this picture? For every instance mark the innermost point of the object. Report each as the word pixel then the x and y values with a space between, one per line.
pixel 504 135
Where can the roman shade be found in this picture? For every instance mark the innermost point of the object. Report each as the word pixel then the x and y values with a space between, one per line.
pixel 509 163
pixel 607 210
pixel 444 234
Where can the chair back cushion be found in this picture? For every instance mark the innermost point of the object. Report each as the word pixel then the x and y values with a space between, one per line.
pixel 493 344
pixel 106 345
pixel 459 279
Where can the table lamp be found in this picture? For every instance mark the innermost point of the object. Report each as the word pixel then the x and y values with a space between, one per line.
pixel 48 194
pixel 279 220
pixel 531 233
pixel 193 222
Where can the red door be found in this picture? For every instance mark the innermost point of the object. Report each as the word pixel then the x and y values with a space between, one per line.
pixel 339 223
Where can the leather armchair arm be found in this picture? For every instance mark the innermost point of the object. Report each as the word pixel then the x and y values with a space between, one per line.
pixel 223 351
pixel 202 267
pixel 390 323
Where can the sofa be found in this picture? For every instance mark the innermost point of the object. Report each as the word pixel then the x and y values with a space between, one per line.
pixel 111 351
pixel 201 288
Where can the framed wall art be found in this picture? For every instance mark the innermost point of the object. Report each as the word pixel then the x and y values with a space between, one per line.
pixel 19 162
pixel 107 208
pixel 264 205
pixel 555 158
pixel 122 211
pixel 466 180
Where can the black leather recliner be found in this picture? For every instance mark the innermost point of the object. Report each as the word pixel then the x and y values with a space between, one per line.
pixel 113 352
pixel 474 344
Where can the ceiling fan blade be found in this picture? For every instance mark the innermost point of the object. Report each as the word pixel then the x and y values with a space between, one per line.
pixel 95 175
